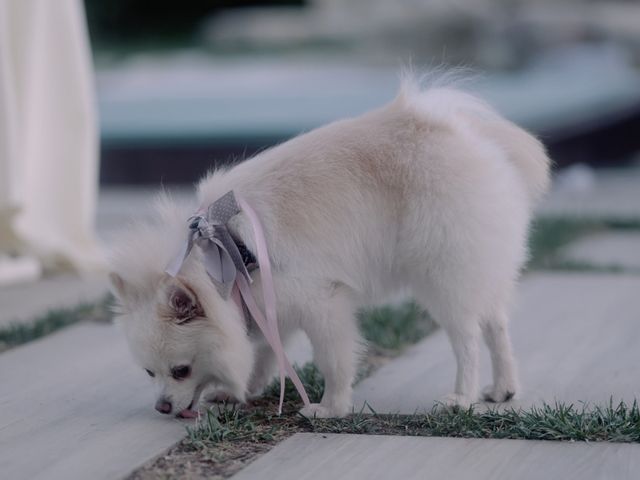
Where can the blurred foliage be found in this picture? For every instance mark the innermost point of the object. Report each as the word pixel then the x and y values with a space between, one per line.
pixel 549 235
pixel 157 23
pixel 393 326
pixel 19 333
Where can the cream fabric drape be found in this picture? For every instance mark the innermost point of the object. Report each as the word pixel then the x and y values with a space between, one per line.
pixel 48 134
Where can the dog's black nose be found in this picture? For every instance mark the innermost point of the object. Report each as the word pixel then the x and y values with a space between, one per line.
pixel 163 406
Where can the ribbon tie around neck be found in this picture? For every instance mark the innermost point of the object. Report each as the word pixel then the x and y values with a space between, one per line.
pixel 223 262
pixel 222 259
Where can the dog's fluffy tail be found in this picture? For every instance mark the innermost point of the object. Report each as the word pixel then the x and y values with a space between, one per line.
pixel 450 106
pixel 526 152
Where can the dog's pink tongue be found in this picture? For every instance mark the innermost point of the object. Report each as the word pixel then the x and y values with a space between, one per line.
pixel 187 413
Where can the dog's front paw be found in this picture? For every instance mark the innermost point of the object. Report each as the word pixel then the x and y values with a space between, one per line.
pixel 317 410
pixel 498 394
pixel 454 401
pixel 220 397
pixel 256 389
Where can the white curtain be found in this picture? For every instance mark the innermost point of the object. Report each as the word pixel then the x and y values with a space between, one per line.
pixel 48 134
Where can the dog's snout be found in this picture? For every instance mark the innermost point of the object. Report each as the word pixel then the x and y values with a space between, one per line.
pixel 163 406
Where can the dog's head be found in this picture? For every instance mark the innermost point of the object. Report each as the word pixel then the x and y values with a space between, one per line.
pixel 180 330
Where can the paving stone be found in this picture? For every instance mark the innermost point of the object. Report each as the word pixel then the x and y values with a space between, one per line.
pixel 612 249
pixel 74 406
pixel 575 336
pixel 24 302
pixel 310 456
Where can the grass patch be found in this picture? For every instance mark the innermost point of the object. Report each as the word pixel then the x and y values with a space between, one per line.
pixel 550 234
pixel 311 379
pixel 386 330
pixel 222 442
pixel 560 422
pixel 393 327
pixel 19 333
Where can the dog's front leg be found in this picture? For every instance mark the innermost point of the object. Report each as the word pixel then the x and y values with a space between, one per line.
pixel 334 336
pixel 264 369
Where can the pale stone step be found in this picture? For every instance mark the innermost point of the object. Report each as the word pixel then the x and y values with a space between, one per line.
pixel 314 456
pixel 575 336
pixel 610 249
pixel 74 406
pixel 23 303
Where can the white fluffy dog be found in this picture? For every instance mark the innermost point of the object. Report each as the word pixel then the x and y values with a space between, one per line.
pixel 432 193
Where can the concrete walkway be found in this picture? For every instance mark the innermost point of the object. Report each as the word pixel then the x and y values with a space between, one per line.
pixel 73 406
pixel 310 456
pixel 575 336
pixel 23 303
pixel 610 249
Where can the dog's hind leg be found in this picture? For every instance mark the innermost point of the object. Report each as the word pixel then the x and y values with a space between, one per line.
pixel 505 378
pixel 464 337
pixel 334 336
pixel 462 326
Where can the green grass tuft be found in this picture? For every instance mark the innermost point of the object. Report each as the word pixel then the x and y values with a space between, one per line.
pixel 560 422
pixel 228 423
pixel 614 423
pixel 388 329
pixel 309 376
pixel 393 327
pixel 550 234
pixel 19 333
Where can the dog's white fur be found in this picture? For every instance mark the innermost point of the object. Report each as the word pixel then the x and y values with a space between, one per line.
pixel 432 193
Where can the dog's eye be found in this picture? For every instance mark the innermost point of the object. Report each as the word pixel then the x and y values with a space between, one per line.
pixel 181 372
pixel 150 373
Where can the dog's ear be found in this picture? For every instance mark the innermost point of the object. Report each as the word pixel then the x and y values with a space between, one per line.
pixel 183 302
pixel 121 288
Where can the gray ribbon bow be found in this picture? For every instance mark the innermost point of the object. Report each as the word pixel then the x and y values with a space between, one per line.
pixel 222 259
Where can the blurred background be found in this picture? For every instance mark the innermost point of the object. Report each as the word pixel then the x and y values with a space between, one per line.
pixel 182 89
pixel 103 102
pixel 167 93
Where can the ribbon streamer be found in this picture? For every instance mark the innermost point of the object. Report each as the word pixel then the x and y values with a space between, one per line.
pixel 223 262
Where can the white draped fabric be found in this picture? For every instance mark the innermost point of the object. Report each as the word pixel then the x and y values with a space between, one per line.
pixel 48 134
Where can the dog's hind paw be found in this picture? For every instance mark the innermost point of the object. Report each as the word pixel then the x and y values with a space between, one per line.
pixel 494 394
pixel 316 410
pixel 454 401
